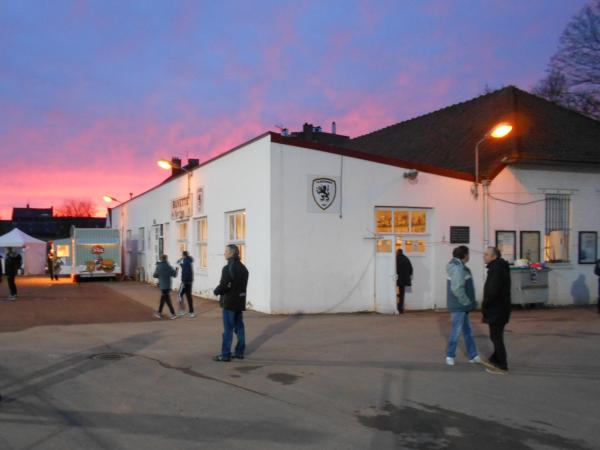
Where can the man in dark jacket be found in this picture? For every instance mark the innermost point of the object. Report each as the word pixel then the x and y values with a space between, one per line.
pixel 404 273
pixel 12 265
pixel 496 306
pixel 232 289
pixel 187 278
pixel 164 272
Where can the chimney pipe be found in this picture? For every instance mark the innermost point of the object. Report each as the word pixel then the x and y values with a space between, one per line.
pixel 333 128
pixel 176 166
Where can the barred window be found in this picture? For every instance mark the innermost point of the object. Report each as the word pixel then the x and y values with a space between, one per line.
pixel 558 225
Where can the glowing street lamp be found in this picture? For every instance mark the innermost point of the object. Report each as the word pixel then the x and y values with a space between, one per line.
pixel 109 199
pixel 166 164
pixel 499 131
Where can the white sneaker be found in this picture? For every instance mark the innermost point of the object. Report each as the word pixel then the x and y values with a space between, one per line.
pixel 173 316
pixel 191 315
pixel 157 315
pixel 181 313
pixel 449 361
pixel 476 360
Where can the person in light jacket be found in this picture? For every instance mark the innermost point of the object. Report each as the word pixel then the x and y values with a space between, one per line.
pixel 461 301
pixel 164 272
pixel 232 289
pixel 496 306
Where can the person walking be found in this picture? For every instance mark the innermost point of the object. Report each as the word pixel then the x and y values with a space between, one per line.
pixel 164 272
pixel 597 272
pixel 187 278
pixel 496 307
pixel 232 289
pixel 461 301
pixel 12 265
pixel 404 273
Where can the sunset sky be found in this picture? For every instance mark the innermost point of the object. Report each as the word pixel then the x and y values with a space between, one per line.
pixel 93 92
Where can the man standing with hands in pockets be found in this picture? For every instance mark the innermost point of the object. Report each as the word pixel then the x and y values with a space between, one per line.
pixel 232 289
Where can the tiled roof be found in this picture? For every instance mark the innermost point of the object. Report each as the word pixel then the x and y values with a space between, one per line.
pixel 543 131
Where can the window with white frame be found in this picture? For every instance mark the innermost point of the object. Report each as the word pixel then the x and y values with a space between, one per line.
pixel 410 225
pixel 128 242
pixel 141 239
pixel 202 241
pixel 182 236
pixel 558 225
pixel 236 231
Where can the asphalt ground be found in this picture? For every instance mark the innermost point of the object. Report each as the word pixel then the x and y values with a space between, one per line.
pixel 352 381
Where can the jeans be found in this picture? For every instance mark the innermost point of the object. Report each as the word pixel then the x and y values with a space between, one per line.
pixel 461 324
pixel 12 285
pixel 165 299
pixel 185 289
pixel 233 322
pixel 497 338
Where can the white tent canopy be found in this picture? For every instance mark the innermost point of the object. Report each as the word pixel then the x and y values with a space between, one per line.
pixel 33 250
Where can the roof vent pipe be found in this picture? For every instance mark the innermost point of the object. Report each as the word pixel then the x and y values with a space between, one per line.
pixel 333 128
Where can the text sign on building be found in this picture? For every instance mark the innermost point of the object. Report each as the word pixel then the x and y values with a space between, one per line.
pixel 181 208
pixel 459 235
pixel 323 194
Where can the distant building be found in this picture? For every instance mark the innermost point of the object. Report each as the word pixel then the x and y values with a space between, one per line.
pixel 42 224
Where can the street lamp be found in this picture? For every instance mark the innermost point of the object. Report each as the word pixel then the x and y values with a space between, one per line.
pixel 497 132
pixel 168 165
pixel 109 199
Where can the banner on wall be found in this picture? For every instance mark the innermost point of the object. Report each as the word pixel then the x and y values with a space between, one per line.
pixel 181 208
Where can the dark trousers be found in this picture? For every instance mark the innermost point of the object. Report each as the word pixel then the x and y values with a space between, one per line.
pixel 12 285
pixel 400 299
pixel 498 358
pixel 233 322
pixel 165 299
pixel 186 289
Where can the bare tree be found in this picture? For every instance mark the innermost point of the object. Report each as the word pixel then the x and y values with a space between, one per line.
pixel 76 208
pixel 573 78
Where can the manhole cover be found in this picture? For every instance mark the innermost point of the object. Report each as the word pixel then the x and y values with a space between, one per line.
pixel 110 356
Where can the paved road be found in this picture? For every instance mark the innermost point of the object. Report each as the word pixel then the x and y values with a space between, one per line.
pixel 361 381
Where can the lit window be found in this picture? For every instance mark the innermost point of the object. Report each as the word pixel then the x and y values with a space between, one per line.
pixel 383 221
pixel 236 233
pixel 401 224
pixel 558 224
pixel 182 236
pixel 418 222
pixel 62 251
pixel 202 242
pixel 384 245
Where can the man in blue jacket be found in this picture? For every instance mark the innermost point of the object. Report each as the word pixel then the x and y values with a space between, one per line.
pixel 187 278
pixel 461 301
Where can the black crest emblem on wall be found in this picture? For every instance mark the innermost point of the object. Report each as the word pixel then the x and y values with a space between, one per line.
pixel 324 191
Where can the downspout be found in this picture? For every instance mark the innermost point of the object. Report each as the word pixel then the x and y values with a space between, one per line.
pixel 341 185
pixel 486 235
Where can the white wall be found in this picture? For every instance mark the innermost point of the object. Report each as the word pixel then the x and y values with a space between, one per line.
pixel 322 263
pixel 238 180
pixel 569 283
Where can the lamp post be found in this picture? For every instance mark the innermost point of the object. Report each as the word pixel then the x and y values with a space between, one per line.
pixel 497 132
pixel 168 165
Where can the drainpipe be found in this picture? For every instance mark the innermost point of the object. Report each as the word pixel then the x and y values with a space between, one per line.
pixel 486 212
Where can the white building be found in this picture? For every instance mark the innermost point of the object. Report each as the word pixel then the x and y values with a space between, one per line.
pixel 319 224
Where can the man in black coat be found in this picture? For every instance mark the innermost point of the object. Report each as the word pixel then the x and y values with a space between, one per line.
pixel 496 306
pixel 404 273
pixel 232 289
pixel 12 265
